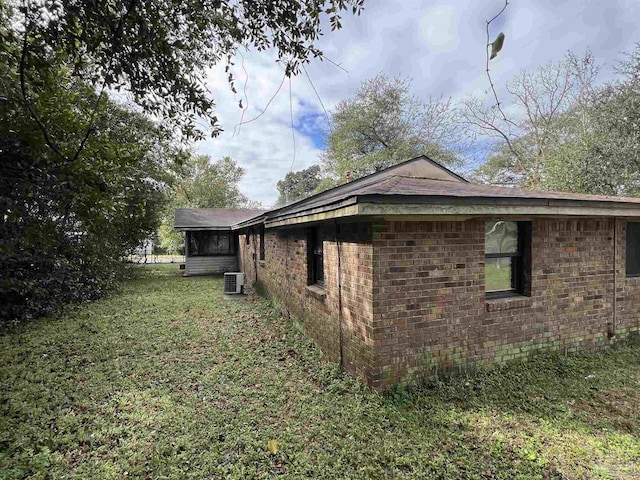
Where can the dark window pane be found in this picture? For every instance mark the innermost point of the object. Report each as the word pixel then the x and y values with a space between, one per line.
pixel 501 237
pixel 315 265
pixel 319 268
pixel 498 276
pixel 222 246
pixel 633 249
pixel 193 246
pixel 205 243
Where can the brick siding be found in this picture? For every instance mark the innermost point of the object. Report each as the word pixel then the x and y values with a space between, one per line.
pixel 283 275
pixel 413 298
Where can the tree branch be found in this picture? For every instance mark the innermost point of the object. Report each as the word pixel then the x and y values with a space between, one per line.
pixel 23 89
pixel 116 38
pixel 493 88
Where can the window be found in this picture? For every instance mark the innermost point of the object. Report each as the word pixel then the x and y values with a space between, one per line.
pixel 206 243
pixel 633 249
pixel 262 243
pixel 507 263
pixel 315 266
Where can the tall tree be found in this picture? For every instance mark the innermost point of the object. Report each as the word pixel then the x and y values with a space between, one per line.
pixel 298 185
pixel 541 105
pixel 65 223
pixel 206 184
pixel 566 132
pixel 384 124
pixel 602 156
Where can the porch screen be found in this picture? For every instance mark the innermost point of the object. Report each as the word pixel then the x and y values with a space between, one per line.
pixel 209 243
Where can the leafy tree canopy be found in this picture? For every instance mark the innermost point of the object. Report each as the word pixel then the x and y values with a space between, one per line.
pixel 571 135
pixel 160 50
pixel 384 124
pixel 206 184
pixel 543 105
pixel 298 185
pixel 65 223
pixel 605 158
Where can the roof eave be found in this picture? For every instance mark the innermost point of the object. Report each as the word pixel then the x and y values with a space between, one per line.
pixel 471 206
pixel 494 200
pixel 317 216
pixel 185 228
pixel 259 220
pixel 371 206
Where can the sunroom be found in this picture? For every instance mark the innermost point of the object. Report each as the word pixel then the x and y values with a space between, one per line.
pixel 211 246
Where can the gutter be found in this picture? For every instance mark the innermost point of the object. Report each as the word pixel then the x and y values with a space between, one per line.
pixel 198 227
pixel 452 200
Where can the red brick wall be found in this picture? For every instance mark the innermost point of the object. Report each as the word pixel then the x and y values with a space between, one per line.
pixel 283 275
pixel 430 313
pixel 413 300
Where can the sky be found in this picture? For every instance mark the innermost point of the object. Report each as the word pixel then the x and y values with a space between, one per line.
pixel 439 45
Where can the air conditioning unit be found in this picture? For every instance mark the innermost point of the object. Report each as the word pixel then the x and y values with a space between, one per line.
pixel 233 282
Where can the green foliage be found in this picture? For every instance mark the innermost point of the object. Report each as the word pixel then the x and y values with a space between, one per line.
pixel 160 50
pixel 167 380
pixel 298 185
pixel 605 157
pixel 385 124
pixel 572 134
pixel 545 106
pixel 326 183
pixel 201 183
pixel 67 219
pixel 206 184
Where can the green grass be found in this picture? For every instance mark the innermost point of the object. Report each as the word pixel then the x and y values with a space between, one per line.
pixel 496 278
pixel 166 380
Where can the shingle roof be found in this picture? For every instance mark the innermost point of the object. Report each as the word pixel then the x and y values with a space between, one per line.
pixel 417 181
pixel 211 218
pixel 420 166
pixel 410 186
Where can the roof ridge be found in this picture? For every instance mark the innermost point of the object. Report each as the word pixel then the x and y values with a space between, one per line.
pixel 429 178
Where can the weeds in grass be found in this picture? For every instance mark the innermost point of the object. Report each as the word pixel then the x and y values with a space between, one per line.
pixel 166 380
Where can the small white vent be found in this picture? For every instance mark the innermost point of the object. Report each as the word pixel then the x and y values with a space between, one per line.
pixel 233 282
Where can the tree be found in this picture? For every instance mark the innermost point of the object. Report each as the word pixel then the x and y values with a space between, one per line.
pixel 543 106
pixel 603 158
pixel 158 50
pixel 66 223
pixel 298 185
pixel 385 124
pixel 201 183
pixel 572 135
pixel 206 184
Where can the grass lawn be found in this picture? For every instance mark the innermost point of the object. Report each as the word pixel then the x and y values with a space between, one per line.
pixel 497 278
pixel 167 380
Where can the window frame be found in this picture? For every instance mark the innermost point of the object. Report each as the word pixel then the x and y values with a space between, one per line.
pixel 232 250
pixel 626 255
pixel 315 258
pixel 520 263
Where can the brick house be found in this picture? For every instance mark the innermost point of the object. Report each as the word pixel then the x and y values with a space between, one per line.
pixel 414 270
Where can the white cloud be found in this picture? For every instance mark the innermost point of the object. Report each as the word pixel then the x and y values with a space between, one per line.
pixel 439 27
pixel 439 44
